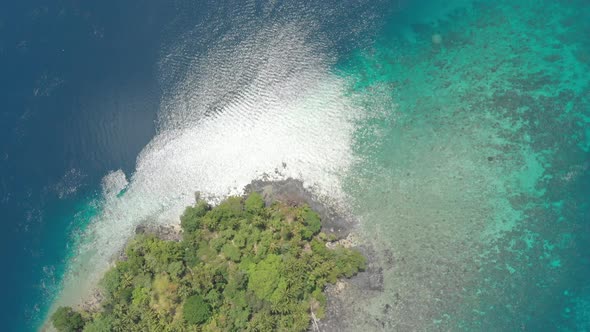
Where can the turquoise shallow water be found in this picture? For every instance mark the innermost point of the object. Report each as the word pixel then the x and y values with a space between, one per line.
pixel 477 182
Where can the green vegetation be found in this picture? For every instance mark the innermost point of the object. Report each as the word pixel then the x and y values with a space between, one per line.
pixel 66 319
pixel 240 266
pixel 196 310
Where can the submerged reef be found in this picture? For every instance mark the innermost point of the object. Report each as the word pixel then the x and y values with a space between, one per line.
pixel 256 263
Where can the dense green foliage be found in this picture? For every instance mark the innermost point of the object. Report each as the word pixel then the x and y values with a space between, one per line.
pixel 240 266
pixel 196 310
pixel 66 319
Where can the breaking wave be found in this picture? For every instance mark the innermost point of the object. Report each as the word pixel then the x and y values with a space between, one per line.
pixel 258 102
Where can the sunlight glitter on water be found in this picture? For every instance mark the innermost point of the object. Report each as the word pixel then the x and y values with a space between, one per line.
pixel 289 117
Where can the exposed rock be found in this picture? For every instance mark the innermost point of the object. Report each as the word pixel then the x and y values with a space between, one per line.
pixel 171 232
pixel 351 240
pixel 92 304
pixel 345 292
pixel 339 296
pixel 292 192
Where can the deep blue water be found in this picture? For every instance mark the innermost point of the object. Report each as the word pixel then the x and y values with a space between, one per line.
pixel 78 98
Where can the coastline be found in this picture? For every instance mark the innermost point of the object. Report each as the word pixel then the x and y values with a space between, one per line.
pixel 341 227
pixel 364 285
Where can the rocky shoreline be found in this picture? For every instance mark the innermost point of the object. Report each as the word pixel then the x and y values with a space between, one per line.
pixel 340 295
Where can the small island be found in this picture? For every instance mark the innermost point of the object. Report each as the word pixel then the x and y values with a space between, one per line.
pixel 242 265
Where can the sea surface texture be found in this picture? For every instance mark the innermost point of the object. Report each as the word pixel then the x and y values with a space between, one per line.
pixel 456 133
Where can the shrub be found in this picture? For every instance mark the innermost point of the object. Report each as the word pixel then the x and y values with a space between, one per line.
pixel 100 324
pixel 264 277
pixel 191 218
pixel 227 210
pixel 231 252
pixel 67 320
pixel 312 223
pixel 254 203
pixel 196 310
pixel 111 281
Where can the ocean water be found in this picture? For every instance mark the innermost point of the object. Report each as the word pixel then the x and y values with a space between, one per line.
pixel 456 132
pixel 79 97
pixel 476 180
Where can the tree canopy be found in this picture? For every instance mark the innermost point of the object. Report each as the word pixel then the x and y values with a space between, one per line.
pixel 241 266
pixel 66 319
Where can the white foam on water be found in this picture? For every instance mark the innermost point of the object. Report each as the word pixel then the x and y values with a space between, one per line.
pixel 113 183
pixel 263 106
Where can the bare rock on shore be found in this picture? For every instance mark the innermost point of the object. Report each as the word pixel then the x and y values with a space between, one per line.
pixel 171 232
pixel 340 312
pixel 341 296
pixel 350 241
pixel 293 192
pixel 93 303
